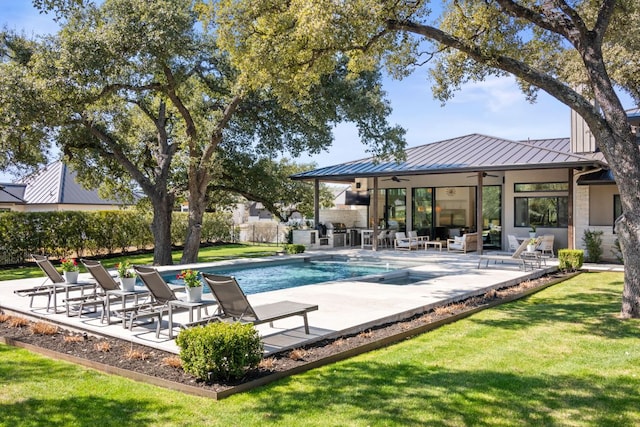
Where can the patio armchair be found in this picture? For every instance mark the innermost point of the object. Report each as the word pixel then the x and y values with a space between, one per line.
pixel 546 245
pixel 402 242
pixel 465 243
pixel 233 303
pixel 414 235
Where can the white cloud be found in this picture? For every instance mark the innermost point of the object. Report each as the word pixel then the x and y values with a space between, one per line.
pixel 496 94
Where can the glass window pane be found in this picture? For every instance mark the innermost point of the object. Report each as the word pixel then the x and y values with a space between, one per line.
pixel 617 206
pixel 541 186
pixel 422 211
pixel 522 212
pixel 396 215
pixel 541 211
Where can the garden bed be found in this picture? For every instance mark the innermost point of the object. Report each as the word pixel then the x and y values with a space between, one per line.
pixel 147 364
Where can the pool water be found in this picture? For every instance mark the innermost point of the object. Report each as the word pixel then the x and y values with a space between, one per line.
pixel 265 278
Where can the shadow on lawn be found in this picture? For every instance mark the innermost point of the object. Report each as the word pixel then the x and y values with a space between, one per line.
pixel 85 407
pixel 410 394
pixel 596 310
pixel 89 411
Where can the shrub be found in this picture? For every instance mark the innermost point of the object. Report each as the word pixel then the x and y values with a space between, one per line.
pixel 294 249
pixel 220 351
pixel 570 259
pixel 593 242
pixel 617 251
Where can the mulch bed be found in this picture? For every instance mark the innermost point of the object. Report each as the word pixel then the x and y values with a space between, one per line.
pixel 162 368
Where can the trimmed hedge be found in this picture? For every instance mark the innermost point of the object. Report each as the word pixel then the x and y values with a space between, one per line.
pixel 220 351
pixel 570 259
pixel 294 248
pixel 80 233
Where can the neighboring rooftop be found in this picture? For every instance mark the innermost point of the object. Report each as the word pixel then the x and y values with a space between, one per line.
pixel 12 193
pixel 56 184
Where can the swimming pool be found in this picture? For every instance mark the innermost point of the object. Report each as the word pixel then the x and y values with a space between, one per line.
pixel 272 276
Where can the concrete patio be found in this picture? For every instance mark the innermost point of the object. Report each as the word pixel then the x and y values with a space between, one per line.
pixel 347 306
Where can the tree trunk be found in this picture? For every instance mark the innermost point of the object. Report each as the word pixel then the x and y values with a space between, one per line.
pixel 161 229
pixel 619 147
pixel 197 196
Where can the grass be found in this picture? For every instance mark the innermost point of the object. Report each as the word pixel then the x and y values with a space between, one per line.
pixel 207 254
pixel 561 357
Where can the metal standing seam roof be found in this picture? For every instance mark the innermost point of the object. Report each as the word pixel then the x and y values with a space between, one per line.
pixel 56 184
pixel 468 153
pixel 12 193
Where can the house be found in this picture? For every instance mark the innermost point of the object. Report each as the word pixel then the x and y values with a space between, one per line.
pixel 559 186
pixel 53 188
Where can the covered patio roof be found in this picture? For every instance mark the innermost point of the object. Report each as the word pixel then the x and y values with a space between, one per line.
pixel 470 153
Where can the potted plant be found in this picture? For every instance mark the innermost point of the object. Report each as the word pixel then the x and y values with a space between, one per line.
pixel 70 270
pixel 532 231
pixel 531 246
pixel 127 276
pixel 192 284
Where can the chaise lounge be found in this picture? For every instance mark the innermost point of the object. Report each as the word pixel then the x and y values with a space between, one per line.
pixel 234 304
pixel 514 258
pixel 57 285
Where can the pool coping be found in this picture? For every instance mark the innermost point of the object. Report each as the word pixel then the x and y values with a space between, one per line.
pixel 345 307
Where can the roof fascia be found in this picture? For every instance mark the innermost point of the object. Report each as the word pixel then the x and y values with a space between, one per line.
pixel 352 177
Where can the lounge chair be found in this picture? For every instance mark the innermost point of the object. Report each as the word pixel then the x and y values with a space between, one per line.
pixel 109 291
pixel 234 304
pixel 514 258
pixel 52 285
pixel 164 301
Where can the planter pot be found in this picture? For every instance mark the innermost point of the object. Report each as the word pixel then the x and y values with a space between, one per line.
pixel 71 276
pixel 128 283
pixel 194 294
pixel 531 248
pixel 532 234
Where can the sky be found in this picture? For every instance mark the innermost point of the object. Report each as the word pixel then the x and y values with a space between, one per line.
pixel 495 107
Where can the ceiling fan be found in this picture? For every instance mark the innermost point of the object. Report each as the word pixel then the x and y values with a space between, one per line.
pixel 484 175
pixel 396 179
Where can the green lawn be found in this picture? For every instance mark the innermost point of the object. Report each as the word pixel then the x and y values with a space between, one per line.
pixel 558 358
pixel 207 254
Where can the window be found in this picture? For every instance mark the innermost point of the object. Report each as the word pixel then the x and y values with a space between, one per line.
pixel 422 210
pixel 392 210
pixel 541 186
pixel 541 211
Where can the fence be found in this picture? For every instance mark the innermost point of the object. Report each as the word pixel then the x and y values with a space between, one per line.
pixel 262 233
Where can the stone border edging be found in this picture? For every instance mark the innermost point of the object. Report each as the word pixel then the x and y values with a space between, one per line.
pixel 217 395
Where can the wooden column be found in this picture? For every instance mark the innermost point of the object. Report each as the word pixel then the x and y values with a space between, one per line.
pixel 374 237
pixel 571 230
pixel 479 218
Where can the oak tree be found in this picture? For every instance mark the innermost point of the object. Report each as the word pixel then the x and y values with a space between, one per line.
pixel 578 51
